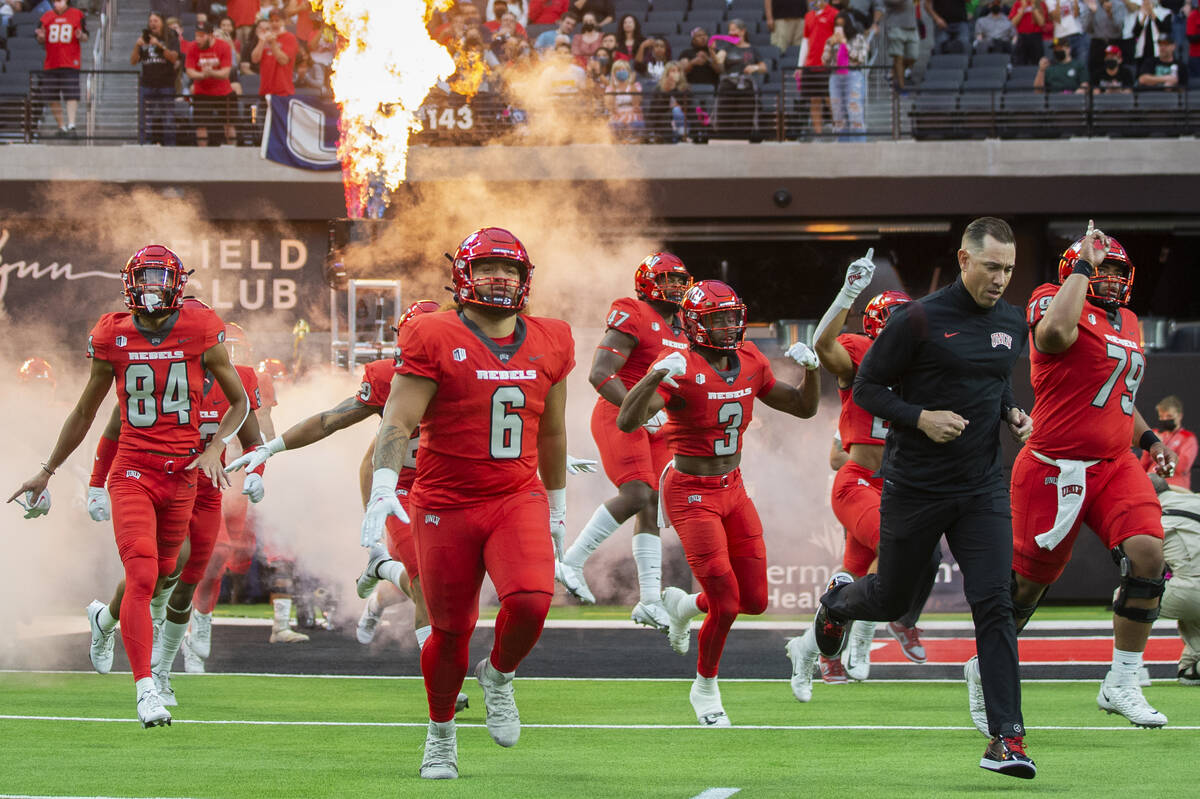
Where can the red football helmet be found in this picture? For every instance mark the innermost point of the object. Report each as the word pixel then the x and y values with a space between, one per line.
pixel 274 368
pixel 36 370
pixel 1102 288
pixel 879 310
pixel 154 278
pixel 491 243
pixel 416 309
pixel 237 342
pixel 706 300
pixel 653 281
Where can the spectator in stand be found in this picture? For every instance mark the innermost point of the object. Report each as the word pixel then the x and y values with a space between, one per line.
pixel 1193 37
pixel 546 12
pixel 1178 9
pixel 742 72
pixel 61 30
pixel 566 27
pixel 699 65
pixel 587 41
pixel 671 105
pixel 496 9
pixel 813 78
pixel 1150 23
pixel 602 10
pixel 903 41
pixel 951 31
pixel 1102 21
pixel 652 58
pixel 1067 28
pixel 508 30
pixel 275 55
pixel 1062 76
pixel 243 13
pixel 629 37
pixel 562 75
pixel 609 42
pixel 209 64
pixel 598 69
pixel 785 21
pixel 1114 76
pixel 501 8
pixel 994 32
pixel 226 32
pixel 623 99
pixel 1163 72
pixel 157 50
pixel 1170 431
pixel 7 9
pixel 869 13
pixel 246 64
pixel 845 53
pixel 1028 16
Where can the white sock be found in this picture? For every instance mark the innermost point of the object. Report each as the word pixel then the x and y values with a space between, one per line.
pixel 496 675
pixel 198 614
pixel 647 554
pixel 172 637
pixel 594 533
pixel 105 620
pixel 146 683
pixel 1125 665
pixel 158 604
pixel 689 607
pixel 423 634
pixel 283 613
pixel 373 604
pixel 442 729
pixel 706 684
pixel 392 571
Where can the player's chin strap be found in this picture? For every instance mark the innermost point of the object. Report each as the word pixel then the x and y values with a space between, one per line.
pixel 233 434
pixel 1135 588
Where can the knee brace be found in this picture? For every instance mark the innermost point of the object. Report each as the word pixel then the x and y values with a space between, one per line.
pixel 1136 588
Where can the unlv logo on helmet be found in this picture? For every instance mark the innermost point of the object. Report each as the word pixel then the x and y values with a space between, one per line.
pixel 879 310
pixel 662 277
pixel 713 316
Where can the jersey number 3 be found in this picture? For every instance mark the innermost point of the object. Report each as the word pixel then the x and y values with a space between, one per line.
pixel 730 415
pixel 1136 363
pixel 143 405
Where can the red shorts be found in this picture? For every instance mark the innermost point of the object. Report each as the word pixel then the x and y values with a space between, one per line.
pixel 234 533
pixel 714 519
pixel 203 529
pixel 855 502
pixel 151 500
pixel 628 456
pixel 506 537
pixel 1119 503
pixel 400 544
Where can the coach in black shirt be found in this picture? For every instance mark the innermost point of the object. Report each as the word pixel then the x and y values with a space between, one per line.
pixel 939 372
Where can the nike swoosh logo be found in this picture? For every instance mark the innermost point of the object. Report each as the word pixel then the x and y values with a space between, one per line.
pixel 535 357
pixel 185 340
pixel 949 335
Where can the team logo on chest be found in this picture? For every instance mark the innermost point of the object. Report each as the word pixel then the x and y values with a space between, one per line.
pixel 655 326
pixel 122 341
pixel 1091 319
pixel 459 354
pixel 699 380
pixel 1002 340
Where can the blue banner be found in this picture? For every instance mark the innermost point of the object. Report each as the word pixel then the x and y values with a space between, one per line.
pixel 301 132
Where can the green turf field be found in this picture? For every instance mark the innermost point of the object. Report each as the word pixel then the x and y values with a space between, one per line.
pixel 599 739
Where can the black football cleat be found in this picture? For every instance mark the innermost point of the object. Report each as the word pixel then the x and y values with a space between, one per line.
pixel 831 635
pixel 1006 755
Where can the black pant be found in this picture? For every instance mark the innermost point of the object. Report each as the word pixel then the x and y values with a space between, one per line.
pixel 978 528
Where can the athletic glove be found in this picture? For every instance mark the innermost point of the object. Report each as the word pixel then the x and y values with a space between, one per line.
pixel 655 422
pixel 858 276
pixel 675 365
pixel 380 505
pixel 580 465
pixel 558 519
pixel 98 506
pixel 257 457
pixel 34 509
pixel 803 354
pixel 254 488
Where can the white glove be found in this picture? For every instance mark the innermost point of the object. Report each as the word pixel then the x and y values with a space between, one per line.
pixel 558 520
pixel 858 276
pixel 253 487
pixel 803 354
pixel 580 465
pixel 256 457
pixel 676 366
pixel 655 422
pixel 98 506
pixel 381 504
pixel 34 509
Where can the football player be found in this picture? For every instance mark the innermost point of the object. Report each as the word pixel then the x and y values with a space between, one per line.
pixel 487 385
pixel 157 352
pixel 36 373
pixel 171 606
pixel 637 330
pixel 1086 364
pixel 708 392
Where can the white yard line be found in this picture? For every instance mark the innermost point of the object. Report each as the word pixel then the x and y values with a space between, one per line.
pixel 717 793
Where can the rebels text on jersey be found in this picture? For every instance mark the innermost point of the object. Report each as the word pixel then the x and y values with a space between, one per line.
pixel 709 410
pixel 213 404
pixel 374 391
pixel 637 318
pixel 1083 397
pixel 856 426
pixel 159 375
pixel 479 433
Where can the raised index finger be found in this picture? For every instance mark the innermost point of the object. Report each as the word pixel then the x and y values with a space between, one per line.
pixel 870 254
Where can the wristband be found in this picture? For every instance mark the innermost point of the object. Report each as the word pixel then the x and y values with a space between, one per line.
pixel 383 482
pixel 47 469
pixel 605 380
pixel 260 469
pixel 1082 267
pixel 558 499
pixel 275 445
pixel 1148 440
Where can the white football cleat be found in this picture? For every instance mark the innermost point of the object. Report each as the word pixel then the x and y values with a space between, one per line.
pixel 679 627
pixel 857 657
pixel 370 578
pixel 368 624
pixel 287 636
pixel 201 634
pixel 503 720
pixel 573 580
pixel 461 703
pixel 162 683
pixel 1127 700
pixel 150 710
pixel 975 702
pixel 101 651
pixel 156 651
pixel 441 753
pixel 706 701
pixel 651 614
pixel 192 662
pixel 803 653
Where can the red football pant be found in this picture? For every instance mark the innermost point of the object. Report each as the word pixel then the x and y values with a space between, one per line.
pixel 721 534
pixel 237 533
pixel 400 544
pixel 627 456
pixel 150 510
pixel 855 503
pixel 1119 502
pixel 508 538
pixel 203 529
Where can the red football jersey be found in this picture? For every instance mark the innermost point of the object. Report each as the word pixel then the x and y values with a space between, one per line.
pixel 266 389
pixel 856 426
pixel 213 404
pixel 709 410
pixel 62 38
pixel 638 318
pixel 479 433
pixel 159 376
pixel 1083 397
pixel 375 389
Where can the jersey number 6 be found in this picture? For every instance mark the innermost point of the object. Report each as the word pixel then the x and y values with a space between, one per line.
pixel 507 426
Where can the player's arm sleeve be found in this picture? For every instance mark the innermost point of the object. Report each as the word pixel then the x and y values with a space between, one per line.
pixel 214 330
pixel 881 368
pixel 99 341
pixel 371 390
pixel 625 316
pixel 413 356
pixel 768 374
pixel 567 362
pixel 250 383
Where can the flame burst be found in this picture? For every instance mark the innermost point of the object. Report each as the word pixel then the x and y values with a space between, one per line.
pixel 385 66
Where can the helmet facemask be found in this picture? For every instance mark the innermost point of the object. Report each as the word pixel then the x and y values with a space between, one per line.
pixel 153 289
pixel 497 291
